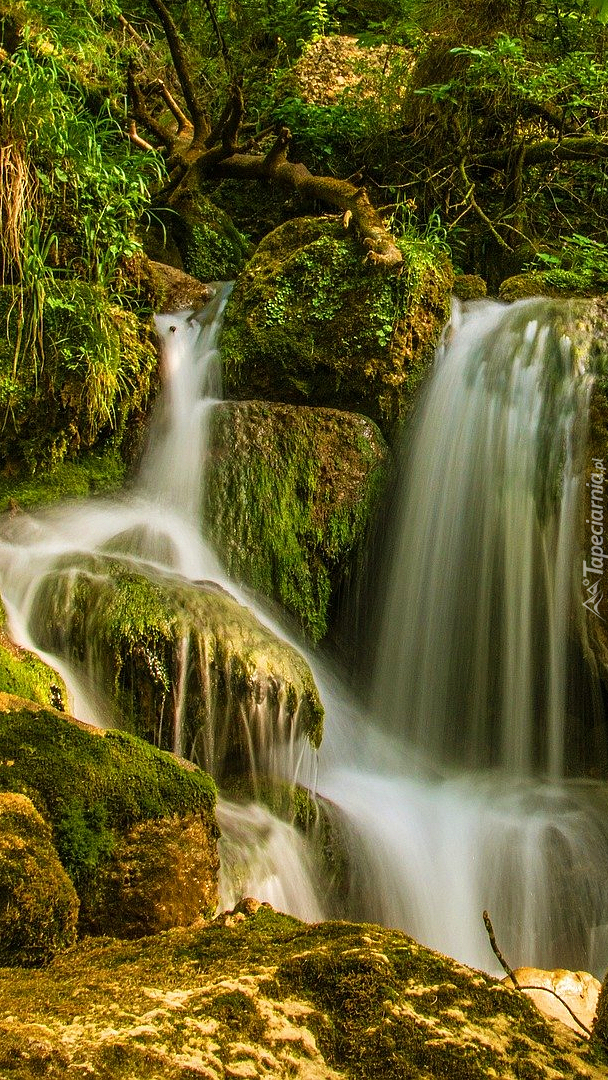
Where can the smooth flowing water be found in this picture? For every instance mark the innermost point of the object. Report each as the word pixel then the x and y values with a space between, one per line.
pixel 447 790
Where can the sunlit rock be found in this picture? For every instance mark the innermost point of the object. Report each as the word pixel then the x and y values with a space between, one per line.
pixel 38 903
pixel 258 994
pixel 133 827
pixel 579 990
pixel 310 322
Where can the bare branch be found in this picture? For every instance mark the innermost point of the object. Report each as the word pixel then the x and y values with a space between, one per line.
pixel 182 70
pixel 183 123
pixel 136 138
pixel 143 114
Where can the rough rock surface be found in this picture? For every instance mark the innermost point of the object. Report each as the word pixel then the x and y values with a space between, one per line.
pixel 290 494
pixel 264 996
pixel 185 665
pixel 130 823
pixel 310 322
pixel 172 289
pixel 38 903
pixel 578 989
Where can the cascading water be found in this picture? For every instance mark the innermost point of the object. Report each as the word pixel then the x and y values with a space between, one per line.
pixel 472 670
pixel 447 794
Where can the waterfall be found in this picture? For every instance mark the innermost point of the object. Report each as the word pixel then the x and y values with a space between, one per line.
pixel 448 793
pixel 472 658
pixel 456 799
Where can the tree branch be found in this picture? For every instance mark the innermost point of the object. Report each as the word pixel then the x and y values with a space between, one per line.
pixel 182 70
pixel 274 166
pixel 573 148
pixel 143 114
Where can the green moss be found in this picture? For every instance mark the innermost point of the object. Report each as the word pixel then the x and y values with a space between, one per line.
pixel 212 249
pixel 90 474
pixel 38 904
pixel 267 995
pixel 289 498
pixel 310 322
pixel 144 637
pixel 25 675
pixel 92 787
pixel 554 283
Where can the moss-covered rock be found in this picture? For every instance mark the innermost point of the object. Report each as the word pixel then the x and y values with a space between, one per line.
pixel 309 322
pixel 89 474
pixel 38 903
pixel 289 497
pixel 27 676
pixel 469 287
pixel 267 996
pixel 111 799
pixel 556 283
pixel 80 382
pixel 211 248
pixel 169 288
pixel 185 666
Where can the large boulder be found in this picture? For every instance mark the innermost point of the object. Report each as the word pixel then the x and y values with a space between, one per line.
pixel 257 995
pixel 133 827
pixel 289 497
pixel 310 322
pixel 183 664
pixel 38 903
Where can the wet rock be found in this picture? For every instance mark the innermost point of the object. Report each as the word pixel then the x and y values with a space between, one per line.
pixel 182 665
pixel 310 322
pixel 291 492
pixel 38 903
pixel 469 287
pixel 578 989
pixel 171 289
pixel 27 676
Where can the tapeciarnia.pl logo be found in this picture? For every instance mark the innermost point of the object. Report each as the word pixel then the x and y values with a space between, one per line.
pixel 593 571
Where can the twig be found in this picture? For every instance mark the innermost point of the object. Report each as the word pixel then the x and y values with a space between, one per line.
pixel 497 953
pixel 517 985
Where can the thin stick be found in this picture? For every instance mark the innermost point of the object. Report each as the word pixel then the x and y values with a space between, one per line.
pixel 517 985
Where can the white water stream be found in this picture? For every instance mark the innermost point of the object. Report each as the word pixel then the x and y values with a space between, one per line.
pixel 448 789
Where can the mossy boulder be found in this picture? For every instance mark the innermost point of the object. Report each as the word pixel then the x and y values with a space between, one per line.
pixel 555 283
pixel 93 473
pixel 290 494
pixel 112 799
pixel 469 287
pixel 184 665
pixel 211 247
pixel 310 322
pixel 27 676
pixel 38 903
pixel 264 995
pixel 79 382
pixel 170 289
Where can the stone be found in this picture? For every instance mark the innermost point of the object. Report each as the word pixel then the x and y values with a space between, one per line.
pixel 171 289
pixel 290 495
pixel 469 287
pixel 268 996
pixel 38 903
pixel 579 990
pixel 133 827
pixel 310 322
pixel 243 689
